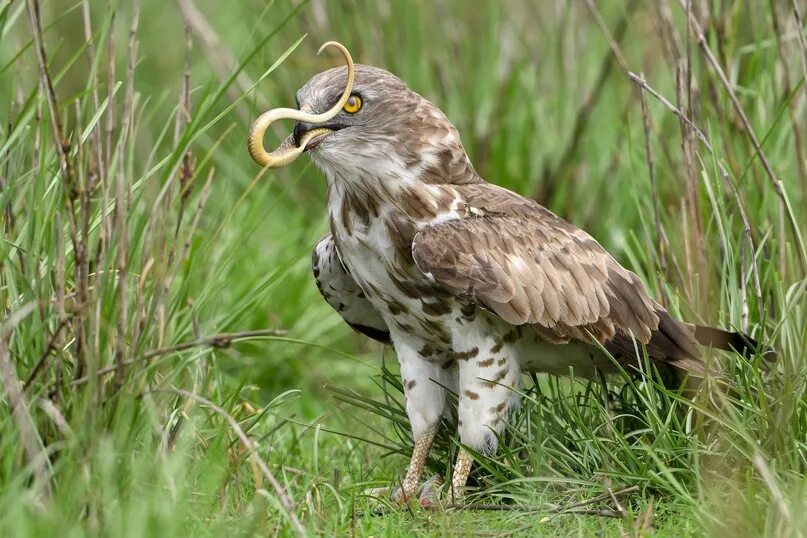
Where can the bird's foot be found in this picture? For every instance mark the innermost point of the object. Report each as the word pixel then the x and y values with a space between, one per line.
pixel 430 492
pixel 426 494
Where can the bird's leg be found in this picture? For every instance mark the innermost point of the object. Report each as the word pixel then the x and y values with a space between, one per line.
pixel 489 376
pixel 423 382
pixel 420 452
pixel 462 468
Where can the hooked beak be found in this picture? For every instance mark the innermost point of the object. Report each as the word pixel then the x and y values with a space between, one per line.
pixel 309 136
pixel 309 130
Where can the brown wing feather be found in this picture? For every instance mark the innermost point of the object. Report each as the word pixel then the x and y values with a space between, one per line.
pixel 531 267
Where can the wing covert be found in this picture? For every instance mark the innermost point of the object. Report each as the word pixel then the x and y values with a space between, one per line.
pixel 531 267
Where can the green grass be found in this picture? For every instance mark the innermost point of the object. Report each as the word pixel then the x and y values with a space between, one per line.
pixel 212 245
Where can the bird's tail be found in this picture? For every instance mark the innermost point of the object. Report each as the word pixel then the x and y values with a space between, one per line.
pixel 730 341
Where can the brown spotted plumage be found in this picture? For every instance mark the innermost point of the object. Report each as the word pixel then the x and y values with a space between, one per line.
pixel 472 284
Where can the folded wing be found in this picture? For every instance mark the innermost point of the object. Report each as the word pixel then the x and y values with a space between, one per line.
pixel 530 267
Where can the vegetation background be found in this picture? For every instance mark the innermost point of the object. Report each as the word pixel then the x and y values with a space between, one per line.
pixel 167 366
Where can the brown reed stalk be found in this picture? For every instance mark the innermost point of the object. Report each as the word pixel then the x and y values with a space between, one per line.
pixel 121 202
pixel 67 171
pixel 32 443
pixel 792 100
pixel 784 208
pixel 661 239
pixel 748 230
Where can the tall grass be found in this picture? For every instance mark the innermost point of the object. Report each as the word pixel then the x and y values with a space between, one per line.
pixel 163 351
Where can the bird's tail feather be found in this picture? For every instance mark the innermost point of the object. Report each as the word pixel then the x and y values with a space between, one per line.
pixel 729 341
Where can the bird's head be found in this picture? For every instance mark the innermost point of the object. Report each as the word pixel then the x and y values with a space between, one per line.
pixel 361 121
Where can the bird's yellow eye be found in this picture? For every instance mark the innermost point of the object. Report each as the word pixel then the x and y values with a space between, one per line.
pixel 353 104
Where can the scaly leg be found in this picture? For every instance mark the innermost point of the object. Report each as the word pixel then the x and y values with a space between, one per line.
pixel 462 468
pixel 411 483
pixel 423 381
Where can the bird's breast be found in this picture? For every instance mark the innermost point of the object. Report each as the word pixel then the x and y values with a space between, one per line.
pixel 378 255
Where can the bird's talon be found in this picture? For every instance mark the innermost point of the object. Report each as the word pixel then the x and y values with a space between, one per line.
pixel 401 497
pixel 430 491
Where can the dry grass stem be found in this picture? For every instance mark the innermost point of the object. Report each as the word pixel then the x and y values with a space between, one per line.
pixel 775 183
pixel 578 508
pixel 31 442
pixel 246 442
pixel 661 241
pixel 62 144
pixel 121 205
pixel 792 97
pixel 803 42
pixel 748 230
pixel 613 44
pixel 779 500
pixel 218 341
pixel 221 59
pixel 53 345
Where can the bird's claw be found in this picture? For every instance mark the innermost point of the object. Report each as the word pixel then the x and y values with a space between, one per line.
pixel 427 494
pixel 430 491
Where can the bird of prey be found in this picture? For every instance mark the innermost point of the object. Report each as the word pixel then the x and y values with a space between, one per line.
pixel 471 283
